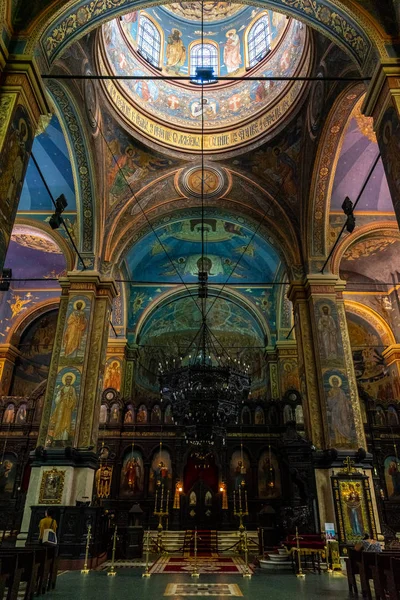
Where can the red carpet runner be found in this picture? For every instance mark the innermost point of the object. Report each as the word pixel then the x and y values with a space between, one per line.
pixel 232 565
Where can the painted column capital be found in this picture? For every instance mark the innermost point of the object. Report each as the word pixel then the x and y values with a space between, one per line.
pixel 383 90
pixel 391 354
pixel 88 281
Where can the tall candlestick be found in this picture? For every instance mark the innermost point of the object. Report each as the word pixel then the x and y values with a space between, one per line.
pixel 162 497
pixel 155 506
pixel 240 499
pixel 245 495
pixel 234 501
pixel 167 502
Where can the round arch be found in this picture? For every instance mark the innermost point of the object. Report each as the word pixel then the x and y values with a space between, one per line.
pixel 381 227
pixel 373 318
pixel 351 27
pixel 181 292
pixel 58 238
pixel 27 318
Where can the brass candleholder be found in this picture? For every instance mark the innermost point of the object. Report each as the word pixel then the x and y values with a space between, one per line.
pixel 112 572
pixel 240 509
pixel 147 573
pixel 86 569
pixel 247 572
pixel 195 572
pixel 161 510
pixel 298 538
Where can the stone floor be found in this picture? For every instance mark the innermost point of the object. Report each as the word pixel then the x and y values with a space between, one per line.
pixel 129 584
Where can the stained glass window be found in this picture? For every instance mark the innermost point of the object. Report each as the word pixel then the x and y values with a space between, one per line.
pixel 259 40
pixel 203 55
pixel 149 41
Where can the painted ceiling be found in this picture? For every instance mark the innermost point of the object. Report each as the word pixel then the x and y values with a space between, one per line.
pixel 225 243
pixel 172 113
pixel 357 155
pixel 51 153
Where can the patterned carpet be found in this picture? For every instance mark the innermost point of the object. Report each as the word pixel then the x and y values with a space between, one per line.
pixel 229 565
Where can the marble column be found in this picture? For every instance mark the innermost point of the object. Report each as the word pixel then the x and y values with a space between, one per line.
pixel 22 102
pixel 383 104
pixel 66 451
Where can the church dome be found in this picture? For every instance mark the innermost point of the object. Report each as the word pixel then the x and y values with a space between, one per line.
pixel 170 42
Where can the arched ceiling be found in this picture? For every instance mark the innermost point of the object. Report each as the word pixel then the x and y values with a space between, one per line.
pixel 172 254
pixel 357 155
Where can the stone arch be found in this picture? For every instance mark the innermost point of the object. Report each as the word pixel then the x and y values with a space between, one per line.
pixel 59 240
pixel 352 29
pixel 324 173
pixel 68 114
pixel 381 227
pixel 27 318
pixel 181 292
pixel 373 318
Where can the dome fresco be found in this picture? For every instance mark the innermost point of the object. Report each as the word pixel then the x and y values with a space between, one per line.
pixel 172 112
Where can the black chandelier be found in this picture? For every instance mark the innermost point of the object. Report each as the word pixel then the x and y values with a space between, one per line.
pixel 206 394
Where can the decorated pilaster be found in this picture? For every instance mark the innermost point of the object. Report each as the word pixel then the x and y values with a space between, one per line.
pixel 383 104
pixel 327 379
pixel 8 356
pixel 273 390
pixel 22 102
pixel 65 459
pixel 288 371
pixel 113 374
pixel 131 355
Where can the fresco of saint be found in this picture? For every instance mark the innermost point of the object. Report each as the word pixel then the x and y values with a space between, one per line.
pixel 353 503
pixel 65 404
pixel 327 334
pixel 232 57
pixel 342 428
pixel 75 329
pixel 112 377
pixel 176 51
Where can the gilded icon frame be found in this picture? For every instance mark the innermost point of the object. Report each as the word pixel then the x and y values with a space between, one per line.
pixel 353 507
pixel 52 487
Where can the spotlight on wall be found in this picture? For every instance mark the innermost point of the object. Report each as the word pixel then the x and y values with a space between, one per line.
pixel 56 219
pixel 347 208
pixel 5 280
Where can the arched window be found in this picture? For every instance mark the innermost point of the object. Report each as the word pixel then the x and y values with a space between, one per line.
pixel 259 40
pixel 149 41
pixel 203 55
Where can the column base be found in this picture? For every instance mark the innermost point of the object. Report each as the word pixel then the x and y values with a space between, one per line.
pixel 59 476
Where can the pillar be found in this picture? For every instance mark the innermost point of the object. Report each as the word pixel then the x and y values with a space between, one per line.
pixel 8 356
pixel 22 102
pixel 331 405
pixel 383 104
pixel 287 366
pixel 113 375
pixel 68 432
pixel 273 390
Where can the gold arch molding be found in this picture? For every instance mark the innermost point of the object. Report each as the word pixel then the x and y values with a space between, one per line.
pixel 24 320
pixel 372 317
pixel 58 239
pixel 377 229
pixel 344 22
